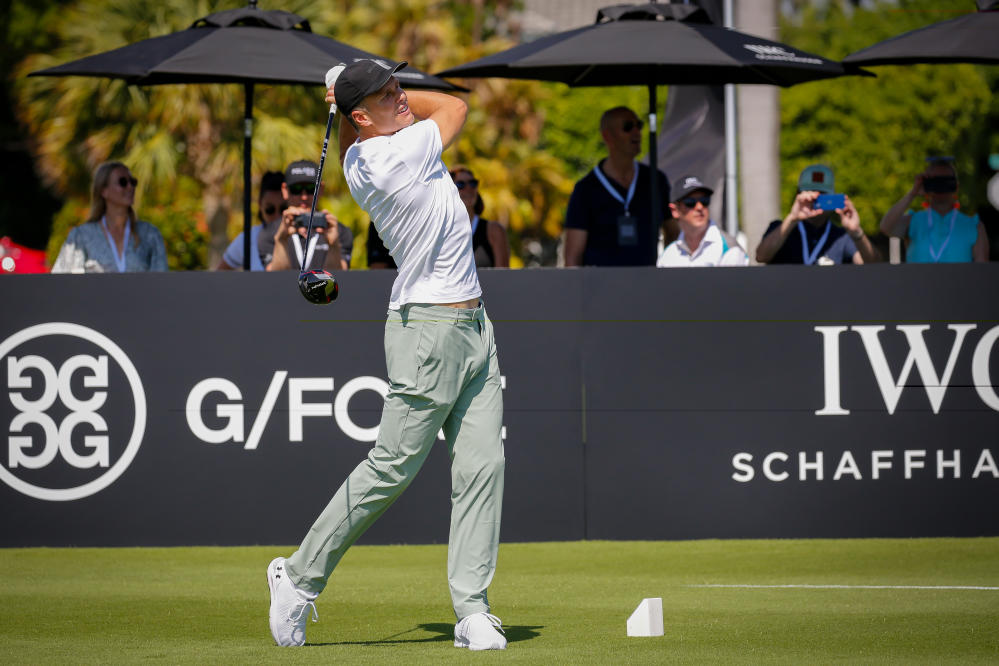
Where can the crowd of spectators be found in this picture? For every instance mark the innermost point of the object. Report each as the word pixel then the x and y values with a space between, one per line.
pixel 608 221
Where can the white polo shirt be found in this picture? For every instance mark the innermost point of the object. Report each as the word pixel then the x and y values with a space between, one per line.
pixel 402 183
pixel 711 252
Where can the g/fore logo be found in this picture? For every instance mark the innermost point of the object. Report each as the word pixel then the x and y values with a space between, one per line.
pixel 220 422
pixel 59 378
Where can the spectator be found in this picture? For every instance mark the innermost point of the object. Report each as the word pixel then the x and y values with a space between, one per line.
pixel 821 241
pixel 378 254
pixel 940 233
pixel 270 205
pixel 701 241
pixel 113 239
pixel 331 242
pixel 489 241
pixel 609 219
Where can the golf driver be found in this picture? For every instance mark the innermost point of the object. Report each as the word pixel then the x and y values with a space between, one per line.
pixel 319 286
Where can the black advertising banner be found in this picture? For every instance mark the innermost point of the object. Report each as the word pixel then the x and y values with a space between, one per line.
pixel 197 408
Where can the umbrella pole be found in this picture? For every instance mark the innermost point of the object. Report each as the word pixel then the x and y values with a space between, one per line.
pixel 657 212
pixel 247 159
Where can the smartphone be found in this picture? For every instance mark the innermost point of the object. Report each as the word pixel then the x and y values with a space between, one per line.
pixel 829 202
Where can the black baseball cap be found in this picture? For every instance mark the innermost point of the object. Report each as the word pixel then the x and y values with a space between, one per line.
pixel 361 78
pixel 687 185
pixel 302 171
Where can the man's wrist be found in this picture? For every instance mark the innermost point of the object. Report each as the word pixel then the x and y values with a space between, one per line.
pixel 856 235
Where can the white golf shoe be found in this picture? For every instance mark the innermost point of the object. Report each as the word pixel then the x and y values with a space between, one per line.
pixel 289 606
pixel 480 631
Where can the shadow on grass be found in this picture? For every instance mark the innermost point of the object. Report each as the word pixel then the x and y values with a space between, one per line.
pixel 444 633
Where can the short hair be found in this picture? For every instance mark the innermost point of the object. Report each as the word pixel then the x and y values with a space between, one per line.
pixel 271 181
pixel 609 114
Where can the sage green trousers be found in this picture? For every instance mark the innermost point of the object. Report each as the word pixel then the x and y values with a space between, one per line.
pixel 443 374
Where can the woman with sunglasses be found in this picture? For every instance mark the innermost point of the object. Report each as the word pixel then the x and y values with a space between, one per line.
pixel 941 232
pixel 113 239
pixel 489 241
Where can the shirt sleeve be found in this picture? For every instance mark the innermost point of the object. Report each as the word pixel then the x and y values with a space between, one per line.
pixel 773 225
pixel 71 255
pixel 158 260
pixel 233 254
pixel 577 215
pixel 849 249
pixel 419 147
pixel 734 257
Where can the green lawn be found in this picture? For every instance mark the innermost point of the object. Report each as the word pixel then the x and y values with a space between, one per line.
pixel 560 602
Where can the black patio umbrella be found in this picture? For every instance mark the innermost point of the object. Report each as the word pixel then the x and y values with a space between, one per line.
pixel 970 38
pixel 245 46
pixel 653 44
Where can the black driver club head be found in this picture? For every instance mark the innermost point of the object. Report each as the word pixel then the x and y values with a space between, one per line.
pixel 318 287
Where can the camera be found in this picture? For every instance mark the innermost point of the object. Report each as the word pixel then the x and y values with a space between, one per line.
pixel 940 184
pixel 318 221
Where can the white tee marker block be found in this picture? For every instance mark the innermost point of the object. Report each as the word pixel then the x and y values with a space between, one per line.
pixel 647 620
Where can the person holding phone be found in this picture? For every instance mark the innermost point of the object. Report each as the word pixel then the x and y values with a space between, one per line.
pixel 807 234
pixel 331 242
pixel 940 233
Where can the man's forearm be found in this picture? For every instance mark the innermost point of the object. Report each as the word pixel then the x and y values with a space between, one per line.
pixel 423 103
pixel 774 241
pixel 280 261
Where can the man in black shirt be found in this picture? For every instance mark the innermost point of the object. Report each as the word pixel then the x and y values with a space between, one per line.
pixel 609 220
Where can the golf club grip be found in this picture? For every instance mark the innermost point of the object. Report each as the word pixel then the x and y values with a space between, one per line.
pixel 331 76
pixel 315 189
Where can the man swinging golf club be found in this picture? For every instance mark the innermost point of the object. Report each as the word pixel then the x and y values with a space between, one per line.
pixel 440 355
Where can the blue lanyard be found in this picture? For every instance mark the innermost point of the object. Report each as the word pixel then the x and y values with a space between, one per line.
pixel 119 260
pixel 809 258
pixel 929 239
pixel 613 190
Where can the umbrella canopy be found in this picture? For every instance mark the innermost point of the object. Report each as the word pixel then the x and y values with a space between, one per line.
pixel 245 46
pixel 970 38
pixel 653 44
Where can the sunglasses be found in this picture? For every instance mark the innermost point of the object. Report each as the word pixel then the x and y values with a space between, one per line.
pixel 270 209
pixel 124 181
pixel 299 188
pixel 631 124
pixel 462 184
pixel 690 202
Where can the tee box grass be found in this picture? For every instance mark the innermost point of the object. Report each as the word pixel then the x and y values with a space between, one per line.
pixel 774 601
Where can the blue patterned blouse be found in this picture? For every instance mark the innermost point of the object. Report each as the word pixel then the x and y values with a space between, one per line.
pixel 87 250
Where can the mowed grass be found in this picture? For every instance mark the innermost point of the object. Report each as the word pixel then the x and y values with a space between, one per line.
pixel 562 603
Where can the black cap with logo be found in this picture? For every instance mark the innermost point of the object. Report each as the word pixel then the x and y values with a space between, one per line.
pixel 361 78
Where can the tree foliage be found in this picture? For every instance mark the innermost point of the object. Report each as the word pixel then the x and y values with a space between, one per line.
pixel 877 132
pixel 528 142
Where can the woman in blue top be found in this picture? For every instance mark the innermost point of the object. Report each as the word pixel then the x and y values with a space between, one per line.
pixel 940 233
pixel 113 239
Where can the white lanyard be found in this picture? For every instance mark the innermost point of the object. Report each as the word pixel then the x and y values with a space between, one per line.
pixel 475 224
pixel 613 190
pixel 809 258
pixel 298 249
pixel 936 254
pixel 119 259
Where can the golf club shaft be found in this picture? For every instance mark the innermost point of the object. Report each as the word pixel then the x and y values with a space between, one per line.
pixel 319 178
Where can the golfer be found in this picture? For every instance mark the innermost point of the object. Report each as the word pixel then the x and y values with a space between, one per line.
pixel 439 351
